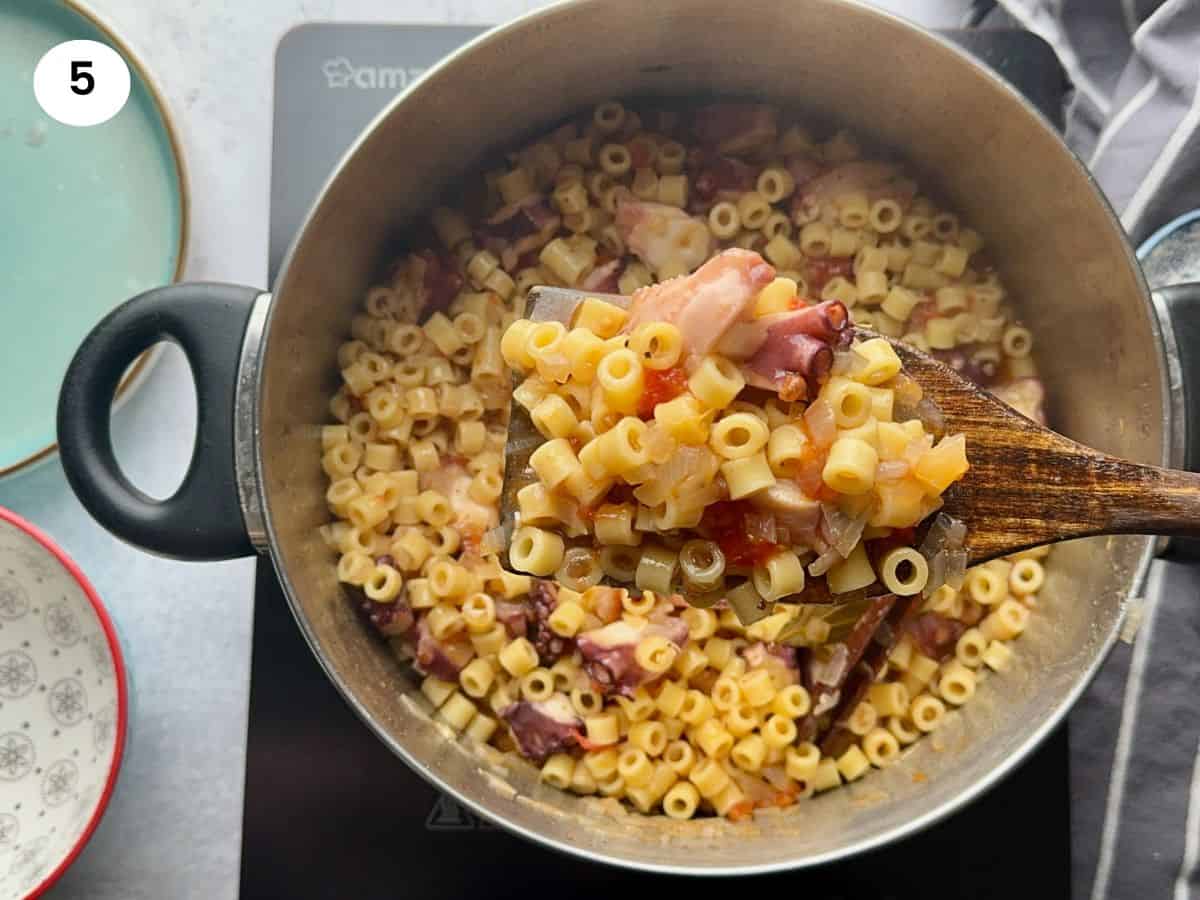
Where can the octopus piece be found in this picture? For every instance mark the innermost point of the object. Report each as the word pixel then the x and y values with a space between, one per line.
pixel 519 230
pixel 778 659
pixel 934 634
pixel 606 603
pixel 1026 395
pixel 610 653
pixel 798 343
pixel 521 219
pixel 716 177
pixel 982 373
pixel 551 647
pixel 804 169
pixel 604 279
pixel 435 280
pixel 544 727
pixel 663 237
pixel 441 659
pixel 389 619
pixel 827 671
pixel 705 304
pixel 838 736
pixel 735 128
pixel 453 481
pixel 513 616
pixel 878 180
pixel 792 510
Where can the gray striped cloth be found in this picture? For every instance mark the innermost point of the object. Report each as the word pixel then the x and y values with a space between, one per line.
pixel 1134 118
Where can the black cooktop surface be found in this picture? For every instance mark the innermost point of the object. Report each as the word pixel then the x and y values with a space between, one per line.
pixel 331 813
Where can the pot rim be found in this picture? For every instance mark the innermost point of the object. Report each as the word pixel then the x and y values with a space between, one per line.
pixel 934 43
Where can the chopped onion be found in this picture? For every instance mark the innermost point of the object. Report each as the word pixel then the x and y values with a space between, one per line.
pixel 841 530
pixel 931 417
pixel 660 446
pixel 907 392
pixel 776 776
pixel 846 362
pixel 757 791
pixel 822 427
pixel 760 526
pixel 956 532
pixel 917 448
pixel 937 573
pixel 831 671
pixel 956 568
pixel 824 562
pixel 827 702
pixel 946 533
pixel 492 541
pixel 688 460
pixel 892 470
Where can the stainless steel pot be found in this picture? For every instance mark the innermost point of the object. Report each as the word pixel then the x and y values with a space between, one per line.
pixel 265 367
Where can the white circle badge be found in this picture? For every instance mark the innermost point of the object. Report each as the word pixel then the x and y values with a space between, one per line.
pixel 81 83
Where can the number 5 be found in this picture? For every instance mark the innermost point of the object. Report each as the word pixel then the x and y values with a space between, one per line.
pixel 78 74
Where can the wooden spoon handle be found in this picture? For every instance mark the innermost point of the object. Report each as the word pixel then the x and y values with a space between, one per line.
pixel 1148 500
pixel 1059 490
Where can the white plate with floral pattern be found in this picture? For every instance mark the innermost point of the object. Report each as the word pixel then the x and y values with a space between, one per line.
pixel 63 709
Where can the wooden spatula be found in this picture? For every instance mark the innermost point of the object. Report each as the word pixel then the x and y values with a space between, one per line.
pixel 1027 485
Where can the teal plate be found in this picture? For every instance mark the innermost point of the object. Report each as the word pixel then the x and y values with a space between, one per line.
pixel 88 218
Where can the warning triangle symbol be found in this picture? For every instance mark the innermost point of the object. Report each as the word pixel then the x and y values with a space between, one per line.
pixel 449 815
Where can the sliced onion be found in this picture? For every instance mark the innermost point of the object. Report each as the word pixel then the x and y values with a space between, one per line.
pixel 831 671
pixel 757 791
pixel 660 446
pixel 826 702
pixel 776 776
pixel 915 449
pixel 841 530
pixel 760 526
pixel 824 562
pixel 937 572
pixel 956 532
pixel 907 392
pixel 686 461
pixel 822 427
pixel 931 417
pixel 956 568
pixel 846 362
pixel 892 470
pixel 946 533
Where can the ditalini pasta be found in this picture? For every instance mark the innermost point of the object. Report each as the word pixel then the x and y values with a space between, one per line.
pixel 684 442
pixel 719 447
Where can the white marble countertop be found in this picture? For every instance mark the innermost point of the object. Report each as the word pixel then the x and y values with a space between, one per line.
pixel 174 826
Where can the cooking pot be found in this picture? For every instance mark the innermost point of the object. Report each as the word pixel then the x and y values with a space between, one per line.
pixel 265 367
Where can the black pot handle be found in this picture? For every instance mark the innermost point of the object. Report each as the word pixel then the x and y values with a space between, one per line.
pixel 1181 302
pixel 203 518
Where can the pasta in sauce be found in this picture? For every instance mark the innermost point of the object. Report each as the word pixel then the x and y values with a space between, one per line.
pixel 738 701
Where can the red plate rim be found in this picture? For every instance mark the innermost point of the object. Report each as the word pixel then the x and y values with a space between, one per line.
pixel 114 647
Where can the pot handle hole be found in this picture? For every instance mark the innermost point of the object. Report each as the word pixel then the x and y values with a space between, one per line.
pixel 203 518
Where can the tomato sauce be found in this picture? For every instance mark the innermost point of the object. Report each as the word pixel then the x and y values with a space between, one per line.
pixel 725 521
pixel 661 385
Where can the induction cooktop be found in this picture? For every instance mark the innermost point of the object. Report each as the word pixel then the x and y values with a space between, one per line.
pixel 330 812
